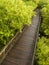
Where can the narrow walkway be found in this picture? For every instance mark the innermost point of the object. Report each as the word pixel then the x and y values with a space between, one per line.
pixel 23 50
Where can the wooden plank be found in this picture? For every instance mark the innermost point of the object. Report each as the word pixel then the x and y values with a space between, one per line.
pixel 23 51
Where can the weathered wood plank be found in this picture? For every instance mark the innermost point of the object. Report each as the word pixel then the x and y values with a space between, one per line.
pixel 23 50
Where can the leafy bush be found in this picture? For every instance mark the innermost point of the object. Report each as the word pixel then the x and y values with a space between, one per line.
pixel 33 3
pixel 42 52
pixel 14 14
pixel 45 21
pixel 43 3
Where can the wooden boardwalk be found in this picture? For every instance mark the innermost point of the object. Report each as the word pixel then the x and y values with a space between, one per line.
pixel 23 51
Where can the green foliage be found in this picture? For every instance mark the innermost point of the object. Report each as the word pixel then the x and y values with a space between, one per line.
pixel 33 3
pixel 45 21
pixel 43 3
pixel 14 14
pixel 42 52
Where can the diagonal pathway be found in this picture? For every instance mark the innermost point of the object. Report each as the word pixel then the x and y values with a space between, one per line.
pixel 23 50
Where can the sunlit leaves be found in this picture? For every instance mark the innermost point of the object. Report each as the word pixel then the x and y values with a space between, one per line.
pixel 42 51
pixel 14 14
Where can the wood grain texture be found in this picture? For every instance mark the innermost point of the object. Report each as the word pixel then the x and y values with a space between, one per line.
pixel 23 50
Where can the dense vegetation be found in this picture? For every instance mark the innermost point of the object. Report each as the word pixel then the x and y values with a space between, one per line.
pixel 42 51
pixel 14 14
pixel 42 3
pixel 45 16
